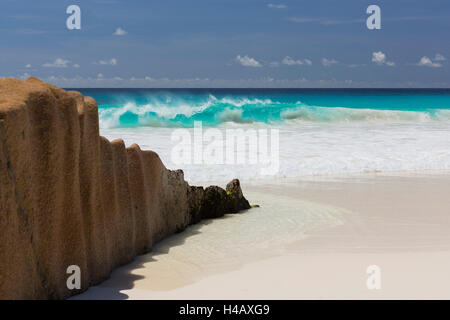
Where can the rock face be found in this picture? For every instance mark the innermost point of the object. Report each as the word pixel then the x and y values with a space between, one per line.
pixel 70 197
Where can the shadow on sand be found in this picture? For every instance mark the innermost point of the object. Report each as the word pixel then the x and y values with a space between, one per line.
pixel 122 277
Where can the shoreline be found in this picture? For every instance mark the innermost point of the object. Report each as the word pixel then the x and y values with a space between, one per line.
pixel 340 177
pixel 397 222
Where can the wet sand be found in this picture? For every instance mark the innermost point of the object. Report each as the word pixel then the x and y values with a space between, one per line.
pixel 311 239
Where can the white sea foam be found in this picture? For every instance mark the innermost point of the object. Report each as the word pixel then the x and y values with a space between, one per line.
pixel 322 148
pixel 324 114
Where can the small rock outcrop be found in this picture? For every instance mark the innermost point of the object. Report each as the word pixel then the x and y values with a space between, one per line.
pixel 214 202
pixel 236 199
pixel 70 197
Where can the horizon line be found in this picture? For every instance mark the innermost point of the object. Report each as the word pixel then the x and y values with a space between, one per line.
pixel 259 88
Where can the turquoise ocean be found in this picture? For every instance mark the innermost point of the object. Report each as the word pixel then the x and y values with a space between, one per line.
pixel 174 108
pixel 321 131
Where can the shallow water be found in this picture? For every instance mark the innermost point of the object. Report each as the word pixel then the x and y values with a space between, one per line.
pixel 220 245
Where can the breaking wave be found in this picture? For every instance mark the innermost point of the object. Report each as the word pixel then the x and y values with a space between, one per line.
pixel 213 111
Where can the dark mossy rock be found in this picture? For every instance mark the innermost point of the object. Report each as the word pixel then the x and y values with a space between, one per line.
pixel 195 196
pixel 214 202
pixel 237 201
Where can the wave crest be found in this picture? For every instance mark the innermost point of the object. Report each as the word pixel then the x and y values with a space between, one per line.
pixel 213 111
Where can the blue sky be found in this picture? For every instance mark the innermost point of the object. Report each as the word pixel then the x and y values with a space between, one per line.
pixel 232 43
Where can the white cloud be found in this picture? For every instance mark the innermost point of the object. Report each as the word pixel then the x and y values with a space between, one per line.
pixel 58 63
pixel 76 65
pixel 427 62
pixel 119 32
pixel 24 76
pixel 111 62
pixel 28 66
pixel 380 59
pixel 328 62
pixel 277 6
pixel 100 76
pixel 246 61
pixel 292 62
pixel 439 57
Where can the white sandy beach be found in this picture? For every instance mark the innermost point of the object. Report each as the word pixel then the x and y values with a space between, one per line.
pixel 312 239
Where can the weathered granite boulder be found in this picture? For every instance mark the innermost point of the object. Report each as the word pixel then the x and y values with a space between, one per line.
pixel 70 197
pixel 236 199
pixel 214 202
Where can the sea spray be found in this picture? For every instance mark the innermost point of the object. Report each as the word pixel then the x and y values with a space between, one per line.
pixel 227 147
